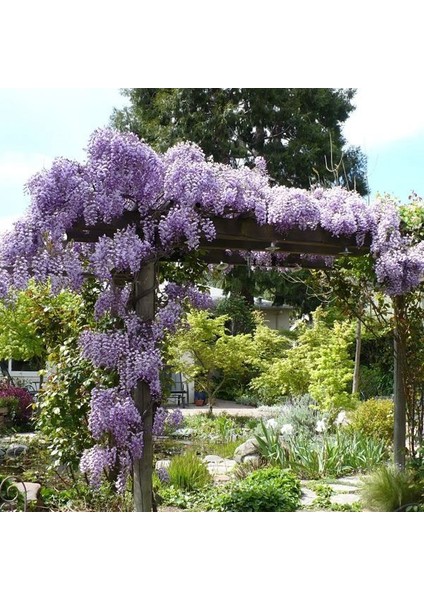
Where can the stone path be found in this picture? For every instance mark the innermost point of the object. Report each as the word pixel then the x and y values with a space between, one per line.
pixel 345 491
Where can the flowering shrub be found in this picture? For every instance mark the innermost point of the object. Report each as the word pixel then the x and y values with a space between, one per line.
pixel 22 400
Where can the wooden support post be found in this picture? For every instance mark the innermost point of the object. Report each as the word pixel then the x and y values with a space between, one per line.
pixel 356 371
pixel 144 291
pixel 399 437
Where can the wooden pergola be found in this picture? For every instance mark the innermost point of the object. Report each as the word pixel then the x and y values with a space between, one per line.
pixel 233 234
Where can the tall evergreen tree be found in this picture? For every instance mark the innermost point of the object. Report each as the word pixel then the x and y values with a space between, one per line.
pixel 297 130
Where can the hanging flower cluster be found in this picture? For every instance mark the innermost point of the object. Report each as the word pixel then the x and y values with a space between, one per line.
pixel 162 203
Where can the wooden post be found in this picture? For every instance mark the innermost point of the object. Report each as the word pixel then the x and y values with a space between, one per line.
pixel 399 437
pixel 355 384
pixel 144 291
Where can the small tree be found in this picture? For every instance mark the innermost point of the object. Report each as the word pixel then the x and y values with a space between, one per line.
pixel 318 363
pixel 205 348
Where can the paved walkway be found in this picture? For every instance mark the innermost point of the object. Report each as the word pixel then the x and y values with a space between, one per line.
pixel 221 406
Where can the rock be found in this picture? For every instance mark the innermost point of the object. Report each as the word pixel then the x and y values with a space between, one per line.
pixel 351 480
pixel 344 498
pixel 16 449
pixel 31 489
pixel 221 468
pixel 185 432
pixel 308 496
pixel 253 459
pixel 336 487
pixel 2 454
pixel 246 449
pixel 213 458
pixel 162 464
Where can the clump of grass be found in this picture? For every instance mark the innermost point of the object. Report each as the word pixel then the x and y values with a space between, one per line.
pixel 187 472
pixel 387 489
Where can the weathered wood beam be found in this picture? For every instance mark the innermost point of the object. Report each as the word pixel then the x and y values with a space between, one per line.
pixel 240 234
pixel 145 294
pixel 399 397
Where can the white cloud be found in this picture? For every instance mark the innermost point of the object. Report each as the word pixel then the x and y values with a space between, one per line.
pixel 17 167
pixel 384 115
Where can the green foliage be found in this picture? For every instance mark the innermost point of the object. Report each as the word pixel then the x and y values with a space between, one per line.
pixel 64 403
pixel 300 413
pixel 269 445
pixel 264 490
pixel 217 428
pixel 10 498
pixel 322 456
pixel 241 318
pixel 82 498
pixel 34 322
pixel 323 496
pixel 388 489
pixel 206 347
pixel 318 363
pixel 374 418
pixel 188 472
pixel 9 402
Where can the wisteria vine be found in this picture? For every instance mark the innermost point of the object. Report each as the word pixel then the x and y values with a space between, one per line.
pixel 175 195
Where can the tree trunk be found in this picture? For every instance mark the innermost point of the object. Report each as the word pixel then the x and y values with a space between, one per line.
pixel 355 384
pixel 399 438
pixel 145 292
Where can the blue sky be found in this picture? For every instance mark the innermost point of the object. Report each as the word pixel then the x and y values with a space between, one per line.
pixel 37 125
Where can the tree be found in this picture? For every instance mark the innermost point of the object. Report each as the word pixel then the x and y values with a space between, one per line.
pixel 297 130
pixel 206 349
pixel 318 363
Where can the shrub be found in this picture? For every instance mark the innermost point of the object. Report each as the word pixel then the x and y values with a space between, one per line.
pixel 188 472
pixel 388 489
pixel 298 412
pixel 264 490
pixel 374 418
pixel 22 401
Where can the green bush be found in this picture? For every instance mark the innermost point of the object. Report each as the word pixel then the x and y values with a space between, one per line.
pixel 188 472
pixel 388 489
pixel 374 418
pixel 264 490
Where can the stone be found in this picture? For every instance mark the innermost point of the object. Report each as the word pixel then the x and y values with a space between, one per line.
pixel 253 459
pixel 308 496
pixel 344 498
pixel 162 464
pixel 248 448
pixel 16 449
pixel 222 468
pixel 185 432
pixel 213 458
pixel 31 489
pixel 351 480
pixel 336 487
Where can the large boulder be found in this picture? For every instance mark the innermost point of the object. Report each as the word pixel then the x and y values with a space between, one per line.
pixel 248 448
